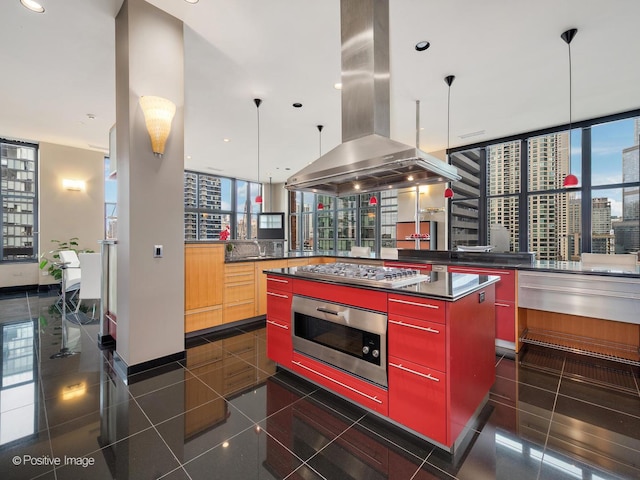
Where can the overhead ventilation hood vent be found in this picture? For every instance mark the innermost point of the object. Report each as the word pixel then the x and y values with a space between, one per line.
pixel 368 160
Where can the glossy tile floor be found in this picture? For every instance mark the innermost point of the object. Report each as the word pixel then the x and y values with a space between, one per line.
pixel 226 413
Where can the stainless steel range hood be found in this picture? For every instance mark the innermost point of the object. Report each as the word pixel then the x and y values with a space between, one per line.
pixel 368 160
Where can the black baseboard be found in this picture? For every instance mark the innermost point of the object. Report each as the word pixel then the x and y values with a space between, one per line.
pixel 229 328
pixel 150 367
pixel 18 289
pixel 106 342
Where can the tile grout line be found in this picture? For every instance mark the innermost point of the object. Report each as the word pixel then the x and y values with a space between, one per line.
pixel 41 388
pixel 553 410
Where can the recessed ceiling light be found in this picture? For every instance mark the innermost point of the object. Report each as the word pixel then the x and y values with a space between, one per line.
pixel 226 140
pixel 32 5
pixel 287 168
pixel 422 46
pixel 188 157
pixel 297 105
pixel 91 116
pixel 337 86
pixel 410 178
pixel 193 2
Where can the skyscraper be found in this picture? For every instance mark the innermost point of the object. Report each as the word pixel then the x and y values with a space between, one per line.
pixel 602 238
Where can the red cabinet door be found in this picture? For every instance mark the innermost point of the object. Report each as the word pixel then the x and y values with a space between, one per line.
pixel 363 393
pixel 279 343
pixel 417 307
pixel 357 297
pixel 417 398
pixel 505 288
pixel 417 341
pixel 279 305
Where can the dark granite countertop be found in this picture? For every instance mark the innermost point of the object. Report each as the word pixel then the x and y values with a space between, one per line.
pixel 436 285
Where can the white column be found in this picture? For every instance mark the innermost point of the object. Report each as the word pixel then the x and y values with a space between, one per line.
pixel 150 291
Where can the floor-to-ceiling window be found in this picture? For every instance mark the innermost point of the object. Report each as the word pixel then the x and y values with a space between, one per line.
pixel 19 197
pixel 527 208
pixel 213 203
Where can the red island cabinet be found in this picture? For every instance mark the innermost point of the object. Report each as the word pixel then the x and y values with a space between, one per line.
pixel 279 295
pixel 505 302
pixel 441 359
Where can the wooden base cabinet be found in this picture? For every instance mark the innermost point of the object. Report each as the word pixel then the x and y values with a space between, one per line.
pixel 203 277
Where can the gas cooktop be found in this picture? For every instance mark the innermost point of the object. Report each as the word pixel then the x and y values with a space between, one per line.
pixel 373 275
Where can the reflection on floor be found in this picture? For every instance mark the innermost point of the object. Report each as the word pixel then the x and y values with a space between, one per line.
pixel 228 413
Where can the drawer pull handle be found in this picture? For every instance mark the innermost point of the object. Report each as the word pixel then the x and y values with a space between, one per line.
pixel 276 324
pixel 279 295
pixel 406 302
pixel 502 305
pixel 428 375
pixel 426 329
pixel 277 280
pixel 375 399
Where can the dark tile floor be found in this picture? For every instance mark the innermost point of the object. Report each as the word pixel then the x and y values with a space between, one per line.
pixel 227 413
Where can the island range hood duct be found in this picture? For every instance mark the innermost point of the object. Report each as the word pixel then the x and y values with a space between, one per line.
pixel 368 160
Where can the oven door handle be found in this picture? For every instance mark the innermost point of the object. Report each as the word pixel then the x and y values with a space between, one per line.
pixel 326 310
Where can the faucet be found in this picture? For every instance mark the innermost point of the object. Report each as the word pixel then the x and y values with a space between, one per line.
pixel 262 251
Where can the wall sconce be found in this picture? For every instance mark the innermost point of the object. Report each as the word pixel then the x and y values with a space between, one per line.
pixel 73 185
pixel 158 115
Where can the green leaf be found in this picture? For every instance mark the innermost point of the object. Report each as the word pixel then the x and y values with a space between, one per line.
pixel 43 264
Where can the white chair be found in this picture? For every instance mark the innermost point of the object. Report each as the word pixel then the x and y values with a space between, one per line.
pixel 91 267
pixel 71 277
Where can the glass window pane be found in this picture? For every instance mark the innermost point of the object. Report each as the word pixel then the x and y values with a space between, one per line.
pixel 347 202
pixel 326 227
pixel 346 229
pixel 255 190
pixel 368 226
pixel 464 222
pixel 614 152
pixel 308 202
pixel 615 223
pixel 503 168
pixel 468 165
pixel 555 226
pixel 307 231
pixel 226 186
pixel 327 202
pixel 548 157
pixel 503 223
pixel 209 192
pixel 388 217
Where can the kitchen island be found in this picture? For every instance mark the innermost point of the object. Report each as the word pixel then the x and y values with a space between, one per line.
pixel 421 355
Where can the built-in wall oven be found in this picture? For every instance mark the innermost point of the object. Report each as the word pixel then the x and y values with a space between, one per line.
pixel 349 338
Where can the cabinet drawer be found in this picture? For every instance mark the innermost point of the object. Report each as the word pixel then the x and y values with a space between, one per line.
pixel 357 297
pixel 423 267
pixel 199 320
pixel 361 392
pixel 506 321
pixel 284 284
pixel 279 305
pixel 241 272
pixel 505 288
pixel 418 341
pixel 238 292
pixel 418 399
pixel 238 311
pixel 417 307
pixel 279 343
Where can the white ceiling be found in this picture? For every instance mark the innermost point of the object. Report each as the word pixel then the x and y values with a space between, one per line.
pixel 510 64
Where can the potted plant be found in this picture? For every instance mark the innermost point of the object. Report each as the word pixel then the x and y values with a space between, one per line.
pixel 50 259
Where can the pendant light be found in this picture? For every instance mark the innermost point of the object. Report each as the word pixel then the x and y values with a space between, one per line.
pixel 258 101
pixel 448 193
pixel 570 180
pixel 320 127
pixel 373 201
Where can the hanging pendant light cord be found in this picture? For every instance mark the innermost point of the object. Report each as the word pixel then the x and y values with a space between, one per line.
pixel 570 105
